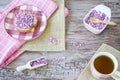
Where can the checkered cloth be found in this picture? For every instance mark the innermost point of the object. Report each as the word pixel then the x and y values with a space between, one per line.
pixel 9 45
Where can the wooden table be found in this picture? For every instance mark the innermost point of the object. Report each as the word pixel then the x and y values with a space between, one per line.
pixel 80 44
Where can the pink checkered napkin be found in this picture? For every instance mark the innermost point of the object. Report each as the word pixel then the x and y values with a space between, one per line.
pixel 9 45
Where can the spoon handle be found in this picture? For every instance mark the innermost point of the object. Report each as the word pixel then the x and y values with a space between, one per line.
pixel 21 68
pixel 110 23
pixel 100 21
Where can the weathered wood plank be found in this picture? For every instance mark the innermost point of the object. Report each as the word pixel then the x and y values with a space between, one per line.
pixel 81 44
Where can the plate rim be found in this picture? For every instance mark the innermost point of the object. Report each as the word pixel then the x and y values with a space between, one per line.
pixel 43 15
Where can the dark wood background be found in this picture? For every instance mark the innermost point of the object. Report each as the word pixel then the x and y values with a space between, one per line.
pixel 80 44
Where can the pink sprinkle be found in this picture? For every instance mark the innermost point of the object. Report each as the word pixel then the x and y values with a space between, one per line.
pixel 99 15
pixel 38 62
pixel 66 12
pixel 25 20
pixel 76 44
pixel 53 40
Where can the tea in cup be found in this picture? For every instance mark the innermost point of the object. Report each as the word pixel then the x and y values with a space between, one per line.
pixel 104 65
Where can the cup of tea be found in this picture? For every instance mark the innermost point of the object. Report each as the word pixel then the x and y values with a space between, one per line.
pixel 104 65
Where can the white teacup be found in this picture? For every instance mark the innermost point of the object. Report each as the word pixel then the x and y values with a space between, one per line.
pixel 104 65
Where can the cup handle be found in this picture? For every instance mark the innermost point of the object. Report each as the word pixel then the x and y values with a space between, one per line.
pixel 116 75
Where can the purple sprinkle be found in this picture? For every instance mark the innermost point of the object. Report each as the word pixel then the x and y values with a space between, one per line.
pixel 53 40
pixel 99 15
pixel 24 20
pixel 76 44
pixel 38 62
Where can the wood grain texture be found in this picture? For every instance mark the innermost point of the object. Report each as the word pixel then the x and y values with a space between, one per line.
pixel 80 44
